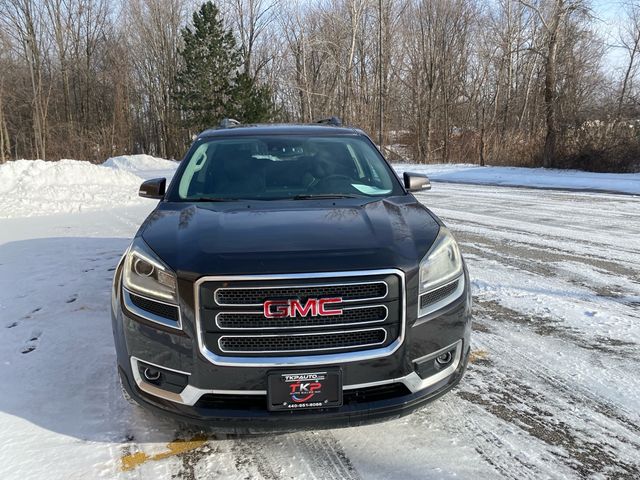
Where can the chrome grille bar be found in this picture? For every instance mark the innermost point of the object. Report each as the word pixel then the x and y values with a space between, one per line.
pixel 255 320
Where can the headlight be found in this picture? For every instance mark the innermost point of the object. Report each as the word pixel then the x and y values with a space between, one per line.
pixel 440 266
pixel 146 274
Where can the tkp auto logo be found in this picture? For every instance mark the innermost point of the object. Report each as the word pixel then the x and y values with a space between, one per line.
pixel 302 388
pixel 294 307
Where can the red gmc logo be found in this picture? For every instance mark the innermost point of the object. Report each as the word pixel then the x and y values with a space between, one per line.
pixel 294 307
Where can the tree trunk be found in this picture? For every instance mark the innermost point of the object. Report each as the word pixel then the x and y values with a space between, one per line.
pixel 550 142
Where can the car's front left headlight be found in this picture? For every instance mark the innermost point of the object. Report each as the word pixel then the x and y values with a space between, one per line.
pixel 439 268
pixel 144 273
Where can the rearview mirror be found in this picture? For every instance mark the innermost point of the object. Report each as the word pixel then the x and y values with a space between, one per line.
pixel 153 188
pixel 416 182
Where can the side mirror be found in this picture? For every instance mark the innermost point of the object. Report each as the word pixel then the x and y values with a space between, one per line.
pixel 153 188
pixel 416 182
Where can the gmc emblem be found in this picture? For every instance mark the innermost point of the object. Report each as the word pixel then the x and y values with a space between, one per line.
pixel 294 307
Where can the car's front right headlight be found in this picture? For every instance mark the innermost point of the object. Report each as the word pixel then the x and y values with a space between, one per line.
pixel 441 266
pixel 144 273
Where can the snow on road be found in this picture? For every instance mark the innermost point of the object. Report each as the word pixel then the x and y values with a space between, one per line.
pixel 553 390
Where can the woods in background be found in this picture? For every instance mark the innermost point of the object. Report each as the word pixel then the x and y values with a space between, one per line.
pixel 504 82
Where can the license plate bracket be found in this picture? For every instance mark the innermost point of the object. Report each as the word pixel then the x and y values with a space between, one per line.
pixel 295 390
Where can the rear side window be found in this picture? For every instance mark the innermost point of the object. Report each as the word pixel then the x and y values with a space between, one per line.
pixel 280 167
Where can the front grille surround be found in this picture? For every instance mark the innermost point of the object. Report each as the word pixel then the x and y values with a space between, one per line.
pixel 207 339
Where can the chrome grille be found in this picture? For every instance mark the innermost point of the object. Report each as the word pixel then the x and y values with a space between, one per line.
pixel 232 322
pixel 257 320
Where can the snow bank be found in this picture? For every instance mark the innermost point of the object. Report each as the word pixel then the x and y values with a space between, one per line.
pixel 528 177
pixel 35 187
pixel 144 166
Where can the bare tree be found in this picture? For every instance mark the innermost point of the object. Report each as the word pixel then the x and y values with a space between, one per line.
pixel 553 16
pixel 252 20
pixel 504 82
pixel 154 34
pixel 630 41
pixel 23 19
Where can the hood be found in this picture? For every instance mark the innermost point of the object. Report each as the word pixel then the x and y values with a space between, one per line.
pixel 288 236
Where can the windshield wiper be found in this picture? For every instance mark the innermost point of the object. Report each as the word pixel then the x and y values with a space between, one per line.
pixel 321 196
pixel 212 199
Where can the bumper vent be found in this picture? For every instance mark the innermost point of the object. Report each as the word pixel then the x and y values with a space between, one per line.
pixel 438 294
pixel 163 310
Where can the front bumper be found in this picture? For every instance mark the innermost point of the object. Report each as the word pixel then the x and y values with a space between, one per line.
pixel 406 385
pixel 243 421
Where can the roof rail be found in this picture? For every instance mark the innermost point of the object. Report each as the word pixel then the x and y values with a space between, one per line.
pixel 335 121
pixel 228 123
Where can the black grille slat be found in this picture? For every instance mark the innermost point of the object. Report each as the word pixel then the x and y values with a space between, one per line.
pixel 437 294
pixel 255 296
pixel 237 320
pixel 161 309
pixel 295 343
pixel 374 394
pixel 259 402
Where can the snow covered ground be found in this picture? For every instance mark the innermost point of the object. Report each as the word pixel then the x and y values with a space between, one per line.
pixel 528 177
pixel 553 390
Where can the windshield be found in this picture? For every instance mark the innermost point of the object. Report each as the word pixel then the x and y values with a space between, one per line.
pixel 284 167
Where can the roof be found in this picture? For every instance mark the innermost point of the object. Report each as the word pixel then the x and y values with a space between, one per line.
pixel 280 129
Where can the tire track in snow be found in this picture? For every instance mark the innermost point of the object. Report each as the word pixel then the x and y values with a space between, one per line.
pixel 308 455
pixel 524 391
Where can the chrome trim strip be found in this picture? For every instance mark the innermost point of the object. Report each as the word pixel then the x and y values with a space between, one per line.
pixel 162 366
pixel 301 360
pixel 190 395
pixel 309 334
pixel 328 325
pixel 152 317
pixel 309 285
pixel 413 381
pixel 443 302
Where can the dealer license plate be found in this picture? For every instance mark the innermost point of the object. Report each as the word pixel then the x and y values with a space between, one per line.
pixel 304 391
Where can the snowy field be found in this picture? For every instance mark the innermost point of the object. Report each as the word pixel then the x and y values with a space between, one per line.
pixel 553 390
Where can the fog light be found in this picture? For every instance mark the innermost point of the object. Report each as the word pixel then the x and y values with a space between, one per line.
pixel 165 378
pixel 151 374
pixel 436 362
pixel 444 359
